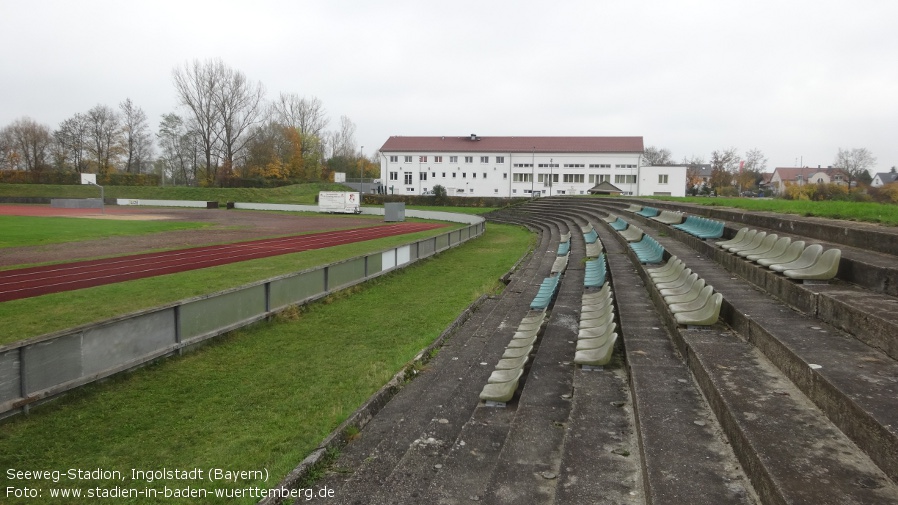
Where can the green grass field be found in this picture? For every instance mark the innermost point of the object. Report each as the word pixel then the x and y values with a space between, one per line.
pixel 18 231
pixel 265 396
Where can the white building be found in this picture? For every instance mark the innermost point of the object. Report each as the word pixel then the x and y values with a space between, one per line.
pixel 522 166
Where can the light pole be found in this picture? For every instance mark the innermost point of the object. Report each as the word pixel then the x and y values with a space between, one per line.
pixel 550 176
pixel 362 178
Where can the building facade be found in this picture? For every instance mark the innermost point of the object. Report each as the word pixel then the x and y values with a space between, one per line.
pixel 516 166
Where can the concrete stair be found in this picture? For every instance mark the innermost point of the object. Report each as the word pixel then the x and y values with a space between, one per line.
pixel 770 405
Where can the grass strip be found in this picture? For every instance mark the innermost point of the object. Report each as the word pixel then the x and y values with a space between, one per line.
pixel 263 397
pixel 870 212
pixel 30 317
pixel 18 231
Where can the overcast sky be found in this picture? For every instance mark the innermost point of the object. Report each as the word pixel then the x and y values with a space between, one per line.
pixel 795 79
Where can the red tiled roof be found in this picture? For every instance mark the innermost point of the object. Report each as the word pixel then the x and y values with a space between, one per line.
pixel 792 173
pixel 515 144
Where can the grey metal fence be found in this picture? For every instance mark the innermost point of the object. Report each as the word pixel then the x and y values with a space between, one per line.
pixel 39 368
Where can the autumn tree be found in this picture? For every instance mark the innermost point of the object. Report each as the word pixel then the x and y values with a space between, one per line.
pixel 751 169
pixel 179 149
pixel 724 164
pixel 856 163
pixel 26 144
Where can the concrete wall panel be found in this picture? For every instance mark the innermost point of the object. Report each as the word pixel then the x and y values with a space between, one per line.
pixel 109 346
pixel 296 288
pixel 52 362
pixel 10 376
pixel 345 273
pixel 209 314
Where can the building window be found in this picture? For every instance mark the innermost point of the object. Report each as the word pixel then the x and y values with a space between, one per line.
pixel 505 176
pixel 394 159
pixel 548 165
pixel 496 190
pixel 484 175
pixel 464 175
pixel 574 165
pixel 422 159
pixel 522 178
pixel 453 159
pixel 544 178
pixel 523 165
pixel 474 175
pixel 601 165
pixel 444 175
pixel 437 159
pixel 422 176
pixel 500 159
pixel 624 179
pixel 394 176
pixel 624 166
pixel 408 159
pixel 454 174
pixel 469 159
pixel 662 178
pixel 599 178
pixel 408 178
pixel 484 159
pixel 574 178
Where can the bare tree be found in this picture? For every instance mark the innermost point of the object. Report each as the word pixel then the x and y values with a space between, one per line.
pixel 856 163
pixel 179 149
pixel 306 115
pixel 723 166
pixel 104 135
pixel 654 156
pixel 138 143
pixel 71 143
pixel 751 168
pixel 342 141
pixel 240 106
pixel 198 86
pixel 27 144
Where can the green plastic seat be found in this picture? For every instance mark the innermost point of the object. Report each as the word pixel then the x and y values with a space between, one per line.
pixel 509 363
pixel 671 275
pixel 500 392
pixel 596 308
pixel 790 254
pixel 755 242
pixel 679 281
pixel 746 239
pixel 825 268
pixel 529 328
pixel 632 234
pixel 705 316
pixel 521 342
pixel 597 357
pixel 588 228
pixel 688 296
pixel 779 247
pixel 598 321
pixel 596 335
pixel 610 218
pixel 693 305
pixel 516 352
pixel 738 238
pixel 672 262
pixel 808 257
pixel 505 375
pixel 764 246
pixel 682 288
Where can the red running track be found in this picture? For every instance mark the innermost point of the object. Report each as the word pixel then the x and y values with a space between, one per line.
pixel 36 281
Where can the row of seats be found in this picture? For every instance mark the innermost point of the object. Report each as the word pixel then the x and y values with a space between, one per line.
pixel 689 298
pixel 648 212
pixel 546 293
pixel 596 336
pixel 647 249
pixel 781 254
pixel 503 381
pixel 594 246
pixel 670 217
pixel 595 272
pixel 701 227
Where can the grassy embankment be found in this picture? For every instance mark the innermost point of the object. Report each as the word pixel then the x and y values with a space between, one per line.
pixel 265 396
pixel 871 212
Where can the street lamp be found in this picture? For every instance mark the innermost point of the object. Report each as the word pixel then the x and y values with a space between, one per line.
pixel 550 176
pixel 362 178
pixel 532 169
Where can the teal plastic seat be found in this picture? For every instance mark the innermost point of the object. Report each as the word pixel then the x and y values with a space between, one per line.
pixel 648 212
pixel 619 225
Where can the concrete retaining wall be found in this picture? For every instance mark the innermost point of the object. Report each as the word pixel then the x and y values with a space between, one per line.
pixel 76 203
pixel 36 369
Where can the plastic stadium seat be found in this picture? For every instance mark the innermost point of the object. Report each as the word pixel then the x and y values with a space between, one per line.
pixel 610 218
pixel 597 357
pixel 735 240
pixel 748 237
pixel 502 392
pixel 808 257
pixel 632 234
pixel 685 297
pixel 517 352
pixel 755 242
pixel 648 212
pixel 634 208
pixel 779 247
pixel 619 225
pixel 825 268
pixel 765 245
pixel 705 316
pixel 790 254
pixel 699 302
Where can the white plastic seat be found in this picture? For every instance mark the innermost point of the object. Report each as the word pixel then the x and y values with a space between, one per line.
pixel 808 257
pixel 792 252
pixel 825 268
